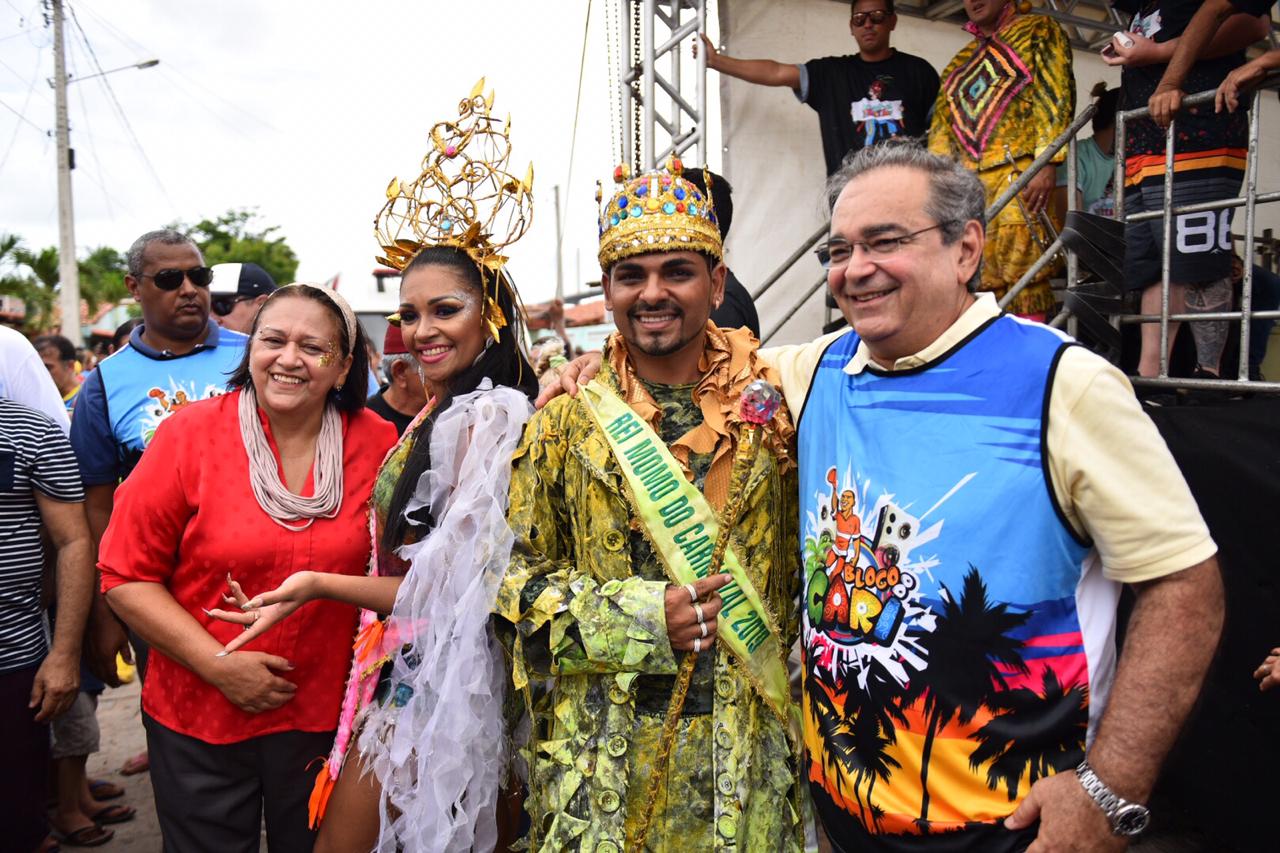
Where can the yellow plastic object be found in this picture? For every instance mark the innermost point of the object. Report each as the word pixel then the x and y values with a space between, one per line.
pixel 125 671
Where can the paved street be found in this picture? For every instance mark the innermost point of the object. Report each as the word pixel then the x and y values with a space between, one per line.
pixel 120 718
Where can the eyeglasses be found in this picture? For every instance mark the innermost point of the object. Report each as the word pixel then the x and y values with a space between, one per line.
pixel 224 305
pixel 877 17
pixel 838 252
pixel 172 279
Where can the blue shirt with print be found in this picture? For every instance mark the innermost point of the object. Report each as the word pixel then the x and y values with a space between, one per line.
pixel 126 397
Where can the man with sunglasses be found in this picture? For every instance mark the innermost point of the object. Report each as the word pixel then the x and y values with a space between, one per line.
pixel 873 95
pixel 175 357
pixel 237 292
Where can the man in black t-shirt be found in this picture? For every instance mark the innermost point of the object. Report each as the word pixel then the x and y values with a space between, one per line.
pixel 876 94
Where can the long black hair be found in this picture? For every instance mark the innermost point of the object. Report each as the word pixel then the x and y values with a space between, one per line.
pixel 502 362
pixel 351 396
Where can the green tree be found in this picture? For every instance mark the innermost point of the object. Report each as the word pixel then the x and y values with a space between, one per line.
pixel 34 278
pixel 236 237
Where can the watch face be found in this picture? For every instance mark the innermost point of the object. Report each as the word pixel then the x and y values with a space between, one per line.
pixel 1131 820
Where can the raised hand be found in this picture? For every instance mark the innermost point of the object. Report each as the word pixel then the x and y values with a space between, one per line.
pixel 578 371
pixel 260 613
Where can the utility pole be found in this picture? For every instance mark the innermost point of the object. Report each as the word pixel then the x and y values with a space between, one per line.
pixel 68 269
pixel 559 249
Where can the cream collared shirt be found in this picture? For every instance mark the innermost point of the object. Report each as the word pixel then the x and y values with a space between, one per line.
pixel 1111 471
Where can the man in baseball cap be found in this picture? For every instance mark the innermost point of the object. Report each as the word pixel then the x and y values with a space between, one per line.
pixel 236 294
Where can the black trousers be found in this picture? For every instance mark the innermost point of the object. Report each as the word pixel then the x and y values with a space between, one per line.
pixel 213 797
pixel 24 764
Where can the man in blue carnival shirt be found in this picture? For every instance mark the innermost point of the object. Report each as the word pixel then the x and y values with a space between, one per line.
pixel 176 357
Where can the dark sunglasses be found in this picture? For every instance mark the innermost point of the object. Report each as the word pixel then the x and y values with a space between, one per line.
pixel 877 17
pixel 224 305
pixel 172 279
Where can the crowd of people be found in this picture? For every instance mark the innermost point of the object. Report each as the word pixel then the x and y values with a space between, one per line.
pixel 426 602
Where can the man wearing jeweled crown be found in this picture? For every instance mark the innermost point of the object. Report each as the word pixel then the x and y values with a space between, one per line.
pixel 653 577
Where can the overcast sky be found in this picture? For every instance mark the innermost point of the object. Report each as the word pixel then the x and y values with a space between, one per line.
pixel 302 110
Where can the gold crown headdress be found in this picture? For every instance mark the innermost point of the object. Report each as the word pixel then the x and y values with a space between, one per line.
pixel 463 198
pixel 656 211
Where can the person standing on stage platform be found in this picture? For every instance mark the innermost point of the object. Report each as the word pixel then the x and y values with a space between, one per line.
pixel 236 294
pixel 405 393
pixel 1005 97
pixel 1209 160
pixel 876 94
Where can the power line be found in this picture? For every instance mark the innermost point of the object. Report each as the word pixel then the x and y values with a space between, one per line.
pixel 31 86
pixel 22 117
pixel 573 138
pixel 120 113
pixel 170 67
pixel 93 152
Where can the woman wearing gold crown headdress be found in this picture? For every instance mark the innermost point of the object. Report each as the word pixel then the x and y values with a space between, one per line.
pixel 420 754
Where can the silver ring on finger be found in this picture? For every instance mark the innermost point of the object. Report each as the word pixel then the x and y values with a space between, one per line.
pixel 697 609
pixel 697 645
pixel 703 626
pixel 693 593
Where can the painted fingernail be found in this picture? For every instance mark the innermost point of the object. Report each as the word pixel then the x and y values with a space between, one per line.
pixel 221 654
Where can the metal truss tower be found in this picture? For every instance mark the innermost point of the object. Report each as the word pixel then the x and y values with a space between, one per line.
pixel 662 90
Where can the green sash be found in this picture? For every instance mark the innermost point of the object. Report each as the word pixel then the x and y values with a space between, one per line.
pixel 683 527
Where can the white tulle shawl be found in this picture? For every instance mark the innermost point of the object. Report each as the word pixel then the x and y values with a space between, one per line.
pixel 441 757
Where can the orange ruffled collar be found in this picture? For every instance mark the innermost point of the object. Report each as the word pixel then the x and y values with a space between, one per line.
pixel 728 364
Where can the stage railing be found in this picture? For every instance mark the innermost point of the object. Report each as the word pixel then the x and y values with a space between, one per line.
pixel 1249 201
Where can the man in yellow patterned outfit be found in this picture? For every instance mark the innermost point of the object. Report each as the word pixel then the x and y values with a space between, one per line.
pixel 595 603
pixel 1005 96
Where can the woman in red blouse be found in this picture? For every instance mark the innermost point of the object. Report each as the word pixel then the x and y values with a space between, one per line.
pixel 268 480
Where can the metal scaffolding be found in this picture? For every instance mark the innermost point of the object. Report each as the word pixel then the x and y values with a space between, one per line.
pixel 663 90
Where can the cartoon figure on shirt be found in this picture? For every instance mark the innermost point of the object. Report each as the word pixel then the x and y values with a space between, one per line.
pixel 840 569
pixel 862 591
pixel 168 402
pixel 878 119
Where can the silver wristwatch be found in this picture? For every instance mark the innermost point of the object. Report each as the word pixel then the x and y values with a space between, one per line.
pixel 1128 819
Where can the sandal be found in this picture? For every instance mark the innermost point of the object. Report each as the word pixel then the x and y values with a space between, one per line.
pixel 114 814
pixel 102 790
pixel 86 836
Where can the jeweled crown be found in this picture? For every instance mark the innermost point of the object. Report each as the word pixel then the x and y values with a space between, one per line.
pixel 656 211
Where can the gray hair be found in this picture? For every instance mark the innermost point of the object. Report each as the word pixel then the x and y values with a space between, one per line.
pixel 388 360
pixel 164 236
pixel 956 196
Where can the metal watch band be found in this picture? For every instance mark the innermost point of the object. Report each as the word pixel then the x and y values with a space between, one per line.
pixel 1126 818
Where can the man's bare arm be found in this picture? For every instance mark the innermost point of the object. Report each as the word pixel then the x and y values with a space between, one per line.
pixel 1207 36
pixel 765 72
pixel 105 637
pixel 1171 639
pixel 58 678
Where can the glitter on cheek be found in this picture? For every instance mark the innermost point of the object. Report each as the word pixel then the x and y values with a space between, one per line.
pixel 329 358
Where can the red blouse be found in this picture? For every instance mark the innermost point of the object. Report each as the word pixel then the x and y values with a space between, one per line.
pixel 187 516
